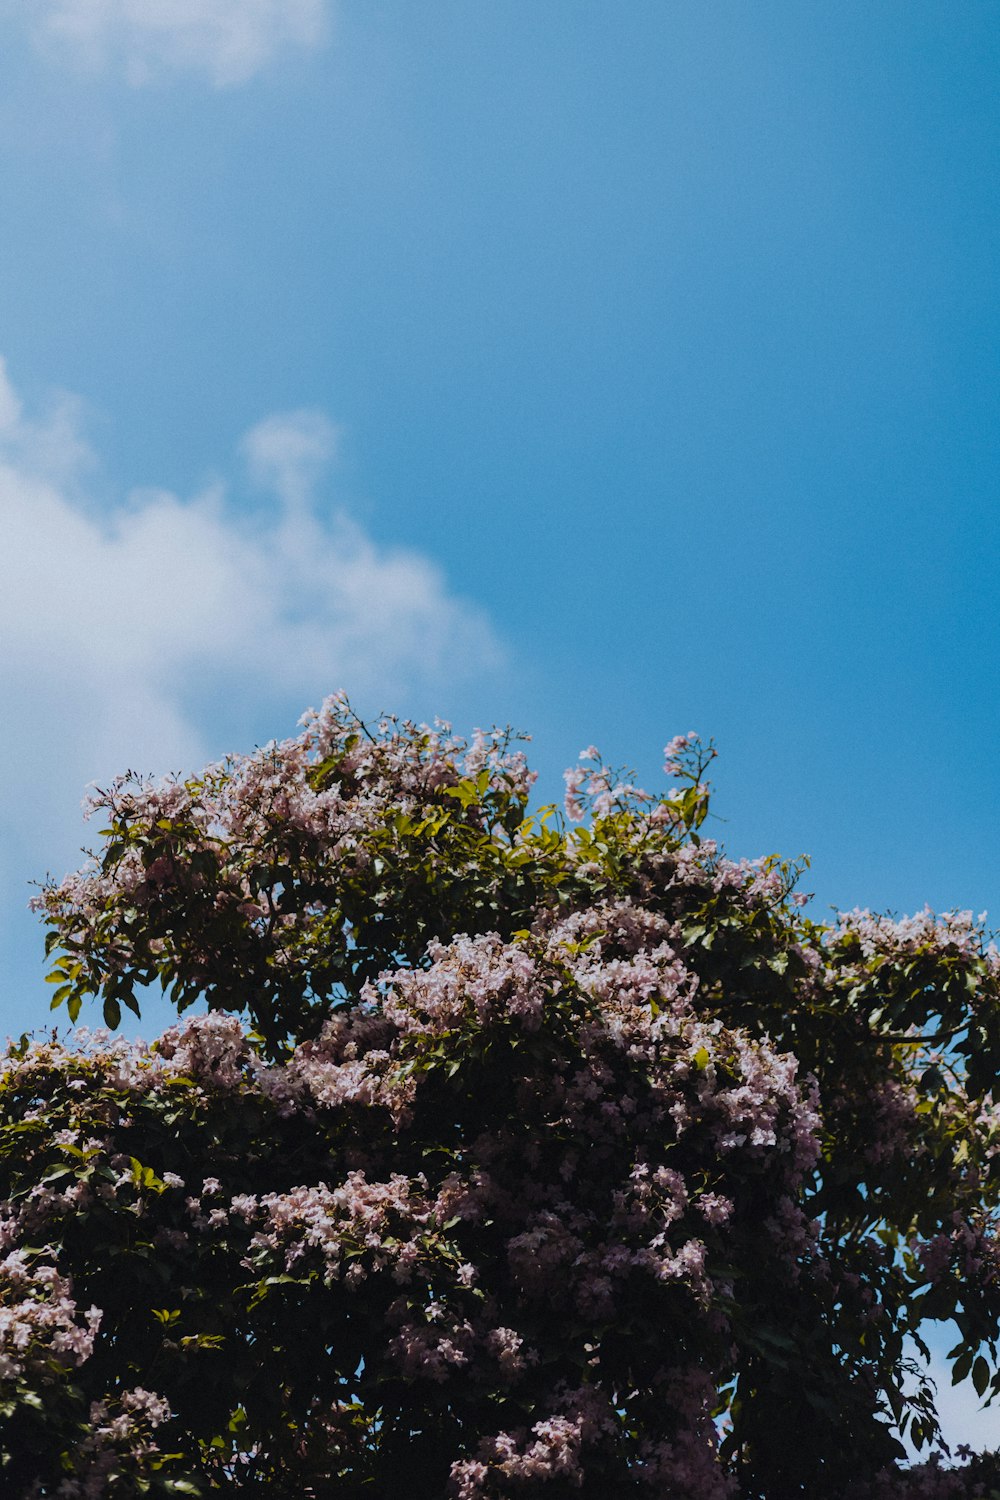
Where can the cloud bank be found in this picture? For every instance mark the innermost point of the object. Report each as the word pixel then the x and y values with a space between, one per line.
pixel 227 41
pixel 127 638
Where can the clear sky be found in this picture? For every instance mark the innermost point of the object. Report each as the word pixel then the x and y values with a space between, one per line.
pixel 610 370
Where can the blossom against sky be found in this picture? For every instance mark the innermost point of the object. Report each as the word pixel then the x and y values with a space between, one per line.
pixel 642 371
pixel 667 344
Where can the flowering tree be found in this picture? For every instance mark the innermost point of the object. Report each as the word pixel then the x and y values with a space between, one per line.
pixel 509 1153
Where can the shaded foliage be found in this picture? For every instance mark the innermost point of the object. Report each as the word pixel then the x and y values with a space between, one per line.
pixel 514 1152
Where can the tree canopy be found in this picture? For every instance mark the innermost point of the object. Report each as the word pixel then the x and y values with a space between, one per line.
pixel 497 1150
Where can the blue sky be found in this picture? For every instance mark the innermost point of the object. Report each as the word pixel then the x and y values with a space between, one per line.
pixel 607 370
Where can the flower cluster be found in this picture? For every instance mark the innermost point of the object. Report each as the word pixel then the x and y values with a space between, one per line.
pixel 503 1154
pixel 42 1332
pixel 597 1145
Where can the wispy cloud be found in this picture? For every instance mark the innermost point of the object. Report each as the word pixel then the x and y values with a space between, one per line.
pixel 227 41
pixel 127 637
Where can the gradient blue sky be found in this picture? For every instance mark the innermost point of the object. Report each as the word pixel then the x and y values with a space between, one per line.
pixel 611 370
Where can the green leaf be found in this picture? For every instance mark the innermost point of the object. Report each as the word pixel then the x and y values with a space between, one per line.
pixel 980 1375
pixel 55 1173
pixel 145 1177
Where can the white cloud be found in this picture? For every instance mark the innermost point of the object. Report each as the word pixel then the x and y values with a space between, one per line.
pixel 113 627
pixel 288 453
pixel 230 41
